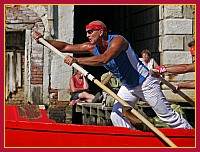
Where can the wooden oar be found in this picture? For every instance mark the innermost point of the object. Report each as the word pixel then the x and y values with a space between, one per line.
pixel 153 72
pixel 106 89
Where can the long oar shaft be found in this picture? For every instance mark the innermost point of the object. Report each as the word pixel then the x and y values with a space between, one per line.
pixel 182 94
pixel 136 113
pixel 171 86
pixel 106 89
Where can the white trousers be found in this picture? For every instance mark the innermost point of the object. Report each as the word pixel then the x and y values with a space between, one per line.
pixel 150 92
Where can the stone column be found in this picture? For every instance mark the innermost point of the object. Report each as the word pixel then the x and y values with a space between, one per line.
pixel 27 80
pixel 61 72
pixel 176 30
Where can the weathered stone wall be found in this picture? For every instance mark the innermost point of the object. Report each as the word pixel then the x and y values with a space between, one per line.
pixel 176 31
pixel 59 71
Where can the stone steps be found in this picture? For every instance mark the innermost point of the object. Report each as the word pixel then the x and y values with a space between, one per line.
pixel 16 97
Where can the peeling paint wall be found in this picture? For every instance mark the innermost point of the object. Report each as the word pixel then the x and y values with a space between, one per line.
pixel 44 71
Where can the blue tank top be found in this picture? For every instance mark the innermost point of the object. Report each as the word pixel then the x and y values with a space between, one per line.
pixel 126 66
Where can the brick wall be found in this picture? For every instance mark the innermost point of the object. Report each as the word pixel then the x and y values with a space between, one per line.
pixel 37 65
pixel 20 14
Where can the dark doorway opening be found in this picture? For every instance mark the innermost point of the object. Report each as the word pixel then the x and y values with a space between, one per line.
pixel 14 67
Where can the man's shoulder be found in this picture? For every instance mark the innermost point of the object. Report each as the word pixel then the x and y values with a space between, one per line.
pixel 115 36
pixel 89 46
pixel 118 39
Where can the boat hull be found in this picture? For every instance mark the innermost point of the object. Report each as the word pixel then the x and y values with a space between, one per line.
pixel 44 132
pixel 66 135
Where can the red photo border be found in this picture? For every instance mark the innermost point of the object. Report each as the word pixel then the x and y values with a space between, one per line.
pixel 3 2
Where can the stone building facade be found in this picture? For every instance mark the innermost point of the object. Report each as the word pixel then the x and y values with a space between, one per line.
pixel 165 29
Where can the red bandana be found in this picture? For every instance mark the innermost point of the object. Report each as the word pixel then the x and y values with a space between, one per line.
pixel 192 50
pixel 94 26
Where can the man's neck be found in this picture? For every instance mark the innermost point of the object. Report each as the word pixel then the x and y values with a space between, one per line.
pixel 103 45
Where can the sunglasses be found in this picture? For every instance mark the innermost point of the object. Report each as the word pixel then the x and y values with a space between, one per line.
pixel 91 31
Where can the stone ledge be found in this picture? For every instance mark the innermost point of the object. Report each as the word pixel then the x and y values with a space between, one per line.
pixel 172 97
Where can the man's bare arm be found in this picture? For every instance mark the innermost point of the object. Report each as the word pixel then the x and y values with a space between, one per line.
pixel 186 85
pixel 176 69
pixel 64 47
pixel 107 79
pixel 181 68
